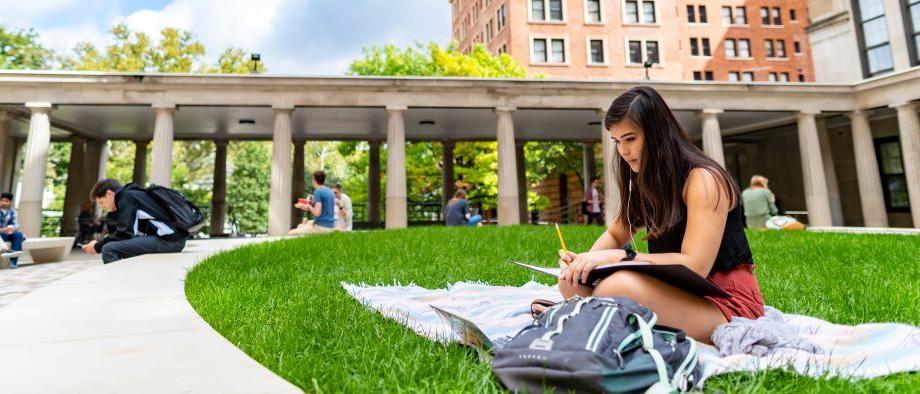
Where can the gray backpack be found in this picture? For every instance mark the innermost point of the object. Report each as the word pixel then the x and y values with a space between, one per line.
pixel 598 345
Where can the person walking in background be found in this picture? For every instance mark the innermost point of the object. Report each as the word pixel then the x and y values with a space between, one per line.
pixel 593 204
pixel 759 202
pixel 457 211
pixel 343 210
pixel 9 230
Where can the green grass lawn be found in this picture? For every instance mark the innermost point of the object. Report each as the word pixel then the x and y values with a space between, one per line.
pixel 281 302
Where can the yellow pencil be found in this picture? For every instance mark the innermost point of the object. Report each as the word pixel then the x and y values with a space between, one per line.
pixel 559 233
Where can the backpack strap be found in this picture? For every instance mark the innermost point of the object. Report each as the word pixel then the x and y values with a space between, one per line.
pixel 545 342
pixel 648 344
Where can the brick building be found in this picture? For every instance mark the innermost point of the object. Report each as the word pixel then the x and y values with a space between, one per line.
pixel 723 40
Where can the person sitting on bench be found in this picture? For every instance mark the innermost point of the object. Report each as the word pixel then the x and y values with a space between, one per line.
pixel 9 230
pixel 142 224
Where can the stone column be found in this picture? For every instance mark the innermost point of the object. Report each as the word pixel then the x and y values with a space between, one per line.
pixel 816 199
pixel 373 180
pixel 161 165
pixel 611 187
pixel 5 151
pixel 140 163
pixel 521 161
pixel 396 214
pixel 91 161
pixel 909 129
pixel 508 209
pixel 18 160
pixel 75 194
pixel 219 189
pixel 279 210
pixel 833 192
pixel 102 169
pixel 298 190
pixel 447 179
pixel 33 176
pixel 712 135
pixel 867 173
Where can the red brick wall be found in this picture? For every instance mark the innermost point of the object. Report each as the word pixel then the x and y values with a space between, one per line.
pixel 672 31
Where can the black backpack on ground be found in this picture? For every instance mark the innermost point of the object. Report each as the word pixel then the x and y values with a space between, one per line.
pixel 595 345
pixel 185 215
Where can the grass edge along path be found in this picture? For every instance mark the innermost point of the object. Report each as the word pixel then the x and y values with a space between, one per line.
pixel 281 302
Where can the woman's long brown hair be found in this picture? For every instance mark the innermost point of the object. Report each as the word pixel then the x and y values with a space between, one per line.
pixel 668 156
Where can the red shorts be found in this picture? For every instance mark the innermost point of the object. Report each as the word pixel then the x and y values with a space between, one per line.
pixel 746 300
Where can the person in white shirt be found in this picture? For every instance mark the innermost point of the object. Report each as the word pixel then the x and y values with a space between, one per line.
pixel 343 211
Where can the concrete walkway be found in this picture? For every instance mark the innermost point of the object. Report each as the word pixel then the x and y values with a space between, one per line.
pixel 124 327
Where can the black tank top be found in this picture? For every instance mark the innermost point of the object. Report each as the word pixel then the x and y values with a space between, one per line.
pixel 733 251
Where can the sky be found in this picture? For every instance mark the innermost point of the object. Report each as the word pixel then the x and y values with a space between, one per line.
pixel 293 37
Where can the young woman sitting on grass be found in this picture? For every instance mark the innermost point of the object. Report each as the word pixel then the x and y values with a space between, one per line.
pixel 690 207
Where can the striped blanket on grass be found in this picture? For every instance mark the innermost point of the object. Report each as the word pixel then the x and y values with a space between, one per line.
pixel 854 352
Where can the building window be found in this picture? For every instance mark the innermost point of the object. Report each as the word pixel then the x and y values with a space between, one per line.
pixel 639 53
pixel 797 46
pixel 801 77
pixel 651 52
pixel 747 76
pixel 500 17
pixel 768 48
pixel 792 16
pixel 635 52
pixel 730 49
pixel 596 55
pixel 891 168
pixel 593 11
pixel 700 75
pixel 784 77
pixel 699 47
pixel 873 34
pixel 726 15
pixel 741 16
pixel 771 77
pixel 765 16
pixel 708 75
pixel 913 29
pixel 692 14
pixel 538 10
pixel 734 76
pixel 539 51
pixel 777 17
pixel 639 11
pixel 558 54
pixel 780 48
pixel 744 48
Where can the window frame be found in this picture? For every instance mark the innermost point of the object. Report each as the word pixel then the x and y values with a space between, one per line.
pixel 640 13
pixel 858 23
pixel 643 49
pixel 600 9
pixel 546 13
pixel 913 37
pixel 500 18
pixel 604 52
pixel 877 142
pixel 566 49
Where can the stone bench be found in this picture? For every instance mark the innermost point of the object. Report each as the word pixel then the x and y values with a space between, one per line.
pixel 47 250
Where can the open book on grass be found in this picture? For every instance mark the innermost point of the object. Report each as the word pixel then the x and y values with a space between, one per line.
pixel 676 275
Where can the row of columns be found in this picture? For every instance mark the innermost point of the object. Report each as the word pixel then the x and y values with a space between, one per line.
pixel 86 157
pixel 821 194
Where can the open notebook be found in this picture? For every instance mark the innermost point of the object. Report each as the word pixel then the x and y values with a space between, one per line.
pixel 676 275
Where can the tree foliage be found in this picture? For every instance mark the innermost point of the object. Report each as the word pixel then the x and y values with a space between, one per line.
pixel 20 50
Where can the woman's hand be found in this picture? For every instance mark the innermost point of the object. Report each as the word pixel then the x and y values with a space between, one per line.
pixel 565 258
pixel 578 270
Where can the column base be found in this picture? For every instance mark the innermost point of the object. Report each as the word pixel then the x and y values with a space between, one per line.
pixel 396 214
pixel 508 211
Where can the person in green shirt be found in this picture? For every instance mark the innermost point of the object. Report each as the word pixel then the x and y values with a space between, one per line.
pixel 759 202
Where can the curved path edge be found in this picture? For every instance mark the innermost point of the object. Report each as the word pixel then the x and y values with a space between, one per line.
pixel 125 327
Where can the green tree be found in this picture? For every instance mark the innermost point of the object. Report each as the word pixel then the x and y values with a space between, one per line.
pixel 20 49
pixel 176 51
pixel 476 163
pixel 248 186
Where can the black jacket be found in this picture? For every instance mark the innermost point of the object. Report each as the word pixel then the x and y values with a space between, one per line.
pixel 130 199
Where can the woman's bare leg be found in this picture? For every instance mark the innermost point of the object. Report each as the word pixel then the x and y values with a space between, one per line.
pixel 674 307
pixel 568 290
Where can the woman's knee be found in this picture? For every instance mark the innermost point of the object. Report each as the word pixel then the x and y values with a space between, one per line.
pixel 622 284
